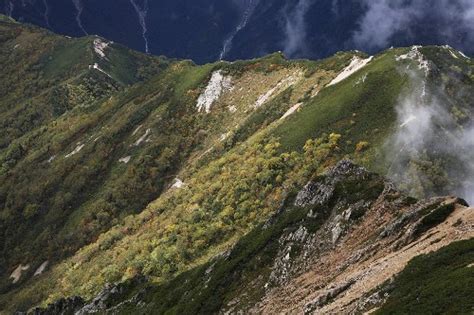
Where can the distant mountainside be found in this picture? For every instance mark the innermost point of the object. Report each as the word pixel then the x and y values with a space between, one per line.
pixel 209 30
pixel 135 183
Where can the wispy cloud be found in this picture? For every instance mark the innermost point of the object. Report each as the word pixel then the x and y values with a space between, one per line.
pixel 79 8
pixel 247 8
pixel 431 151
pixel 142 12
pixel 446 20
pixel 295 28
pixel 46 13
pixel 9 7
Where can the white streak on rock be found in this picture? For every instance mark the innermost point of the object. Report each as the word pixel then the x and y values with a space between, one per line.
pixel 416 55
pixel 361 79
pixel 41 268
pixel 292 110
pixel 79 8
pixel 142 13
pixel 243 22
pixel 355 65
pixel 16 274
pixel 462 54
pixel 283 84
pixel 46 13
pixel 100 46
pixel 96 67
pixel 9 7
pixel 136 130
pixel 142 138
pixel 178 183
pixel 224 136
pixel 125 159
pixel 76 150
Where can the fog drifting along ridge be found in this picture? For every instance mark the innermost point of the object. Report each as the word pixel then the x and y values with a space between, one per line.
pixel 383 19
pixel 429 144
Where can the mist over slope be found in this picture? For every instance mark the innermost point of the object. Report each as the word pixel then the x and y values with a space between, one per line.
pixel 122 167
pixel 210 30
pixel 432 123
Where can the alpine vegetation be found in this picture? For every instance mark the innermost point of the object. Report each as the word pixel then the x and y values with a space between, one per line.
pixel 132 183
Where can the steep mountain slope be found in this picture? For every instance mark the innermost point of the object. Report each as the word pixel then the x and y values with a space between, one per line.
pixel 41 87
pixel 334 247
pixel 153 167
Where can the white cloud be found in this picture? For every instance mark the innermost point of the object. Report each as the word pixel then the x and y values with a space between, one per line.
pixel 295 28
pixel 450 20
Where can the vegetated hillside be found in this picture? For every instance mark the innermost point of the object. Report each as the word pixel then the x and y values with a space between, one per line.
pixel 52 89
pixel 336 246
pixel 158 166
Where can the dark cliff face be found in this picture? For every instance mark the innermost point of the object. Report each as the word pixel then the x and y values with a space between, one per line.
pixel 207 30
pixel 324 217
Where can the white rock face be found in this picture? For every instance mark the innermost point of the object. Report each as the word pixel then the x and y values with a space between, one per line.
pixel 76 150
pixel 41 268
pixel 224 136
pixel 100 46
pixel 416 55
pixel 136 130
pixel 355 65
pixel 16 274
pixel 293 109
pixel 217 85
pixel 451 51
pixel 462 54
pixel 142 138
pixel 178 183
pixel 96 67
pixel 283 84
pixel 125 159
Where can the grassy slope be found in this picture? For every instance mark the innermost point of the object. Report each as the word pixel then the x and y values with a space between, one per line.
pixel 437 283
pixel 363 111
pixel 50 98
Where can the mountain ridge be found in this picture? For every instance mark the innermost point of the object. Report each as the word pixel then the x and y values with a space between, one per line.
pixel 158 165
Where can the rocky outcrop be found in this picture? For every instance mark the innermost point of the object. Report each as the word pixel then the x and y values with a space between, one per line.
pixel 113 296
pixel 68 305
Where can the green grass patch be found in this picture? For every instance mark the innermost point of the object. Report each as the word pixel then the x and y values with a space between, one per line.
pixel 437 283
